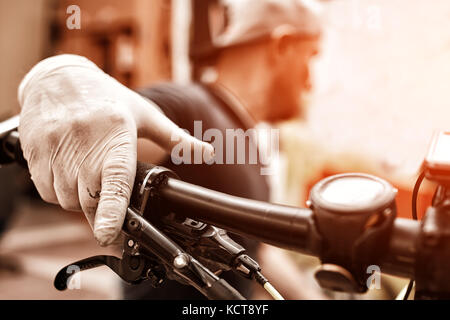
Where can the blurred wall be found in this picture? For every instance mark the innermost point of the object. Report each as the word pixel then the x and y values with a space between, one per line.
pixel 383 80
pixel 23 42
pixel 381 86
pixel 130 40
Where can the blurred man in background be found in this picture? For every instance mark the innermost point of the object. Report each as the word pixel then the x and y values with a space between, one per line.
pixel 90 123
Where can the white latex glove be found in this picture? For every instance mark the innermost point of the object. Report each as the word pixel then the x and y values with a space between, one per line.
pixel 78 131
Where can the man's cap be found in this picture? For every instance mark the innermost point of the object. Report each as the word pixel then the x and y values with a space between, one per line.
pixel 249 20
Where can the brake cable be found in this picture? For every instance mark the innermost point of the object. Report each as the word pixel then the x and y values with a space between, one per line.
pixel 268 286
pixel 408 288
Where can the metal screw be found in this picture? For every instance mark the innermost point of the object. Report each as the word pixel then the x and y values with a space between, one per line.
pixel 130 243
pixel 133 224
pixel 180 261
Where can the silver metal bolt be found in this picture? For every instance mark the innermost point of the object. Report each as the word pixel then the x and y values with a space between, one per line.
pixel 180 261
pixel 130 243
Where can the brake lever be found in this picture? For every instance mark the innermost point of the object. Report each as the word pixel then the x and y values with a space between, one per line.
pixel 119 266
pixel 144 246
pixel 133 268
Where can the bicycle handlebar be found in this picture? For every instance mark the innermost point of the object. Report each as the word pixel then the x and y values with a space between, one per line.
pixel 411 249
pixel 280 225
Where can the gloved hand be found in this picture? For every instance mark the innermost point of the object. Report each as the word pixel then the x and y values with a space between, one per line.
pixel 78 131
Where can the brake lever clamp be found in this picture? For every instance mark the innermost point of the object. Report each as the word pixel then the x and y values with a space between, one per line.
pixel 152 270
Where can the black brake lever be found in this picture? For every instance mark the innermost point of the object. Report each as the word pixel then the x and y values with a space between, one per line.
pixel 136 265
pixel 133 267
pixel 117 265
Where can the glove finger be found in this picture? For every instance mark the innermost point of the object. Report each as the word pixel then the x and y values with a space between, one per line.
pixel 118 173
pixel 42 176
pixel 65 186
pixel 89 189
pixel 39 165
pixel 156 127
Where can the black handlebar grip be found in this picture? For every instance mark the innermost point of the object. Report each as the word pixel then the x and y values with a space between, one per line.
pixel 18 154
pixel 11 151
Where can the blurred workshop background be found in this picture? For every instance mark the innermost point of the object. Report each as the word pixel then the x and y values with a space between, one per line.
pixel 381 85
